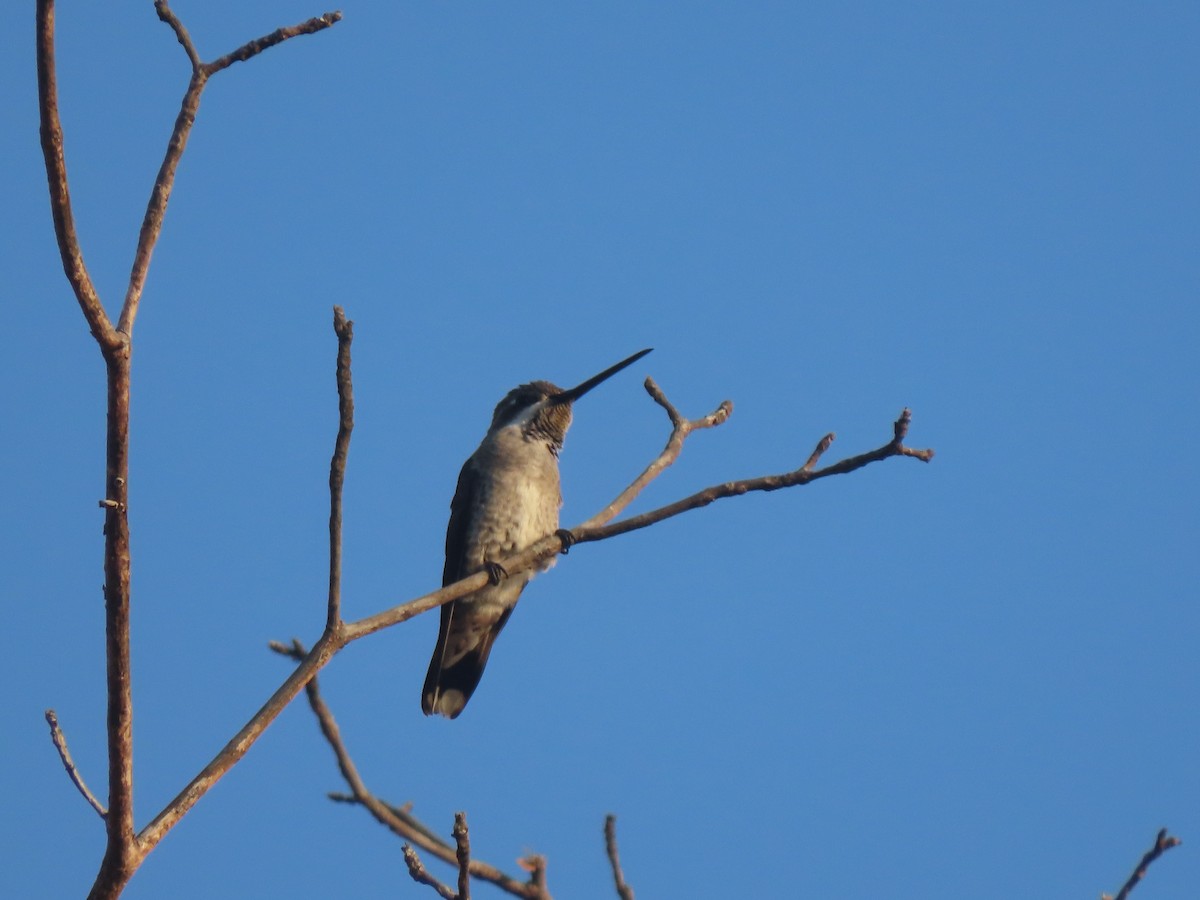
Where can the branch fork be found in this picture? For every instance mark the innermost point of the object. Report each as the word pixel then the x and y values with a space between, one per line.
pixel 124 850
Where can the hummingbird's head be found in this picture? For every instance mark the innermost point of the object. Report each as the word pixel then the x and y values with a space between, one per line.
pixel 531 407
pixel 543 410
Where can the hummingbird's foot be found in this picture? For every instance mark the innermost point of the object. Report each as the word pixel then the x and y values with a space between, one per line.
pixel 496 572
pixel 567 539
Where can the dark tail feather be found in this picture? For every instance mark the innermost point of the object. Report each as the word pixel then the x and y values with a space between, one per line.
pixel 448 688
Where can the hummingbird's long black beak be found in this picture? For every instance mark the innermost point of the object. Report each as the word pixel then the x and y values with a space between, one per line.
pixel 573 394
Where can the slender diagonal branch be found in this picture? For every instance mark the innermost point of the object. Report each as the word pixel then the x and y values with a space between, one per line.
pixel 624 891
pixel 267 41
pixel 680 429
pixel 421 876
pixel 60 744
pixel 166 14
pixel 1162 843
pixel 156 208
pixel 804 475
pixel 399 821
pixel 331 640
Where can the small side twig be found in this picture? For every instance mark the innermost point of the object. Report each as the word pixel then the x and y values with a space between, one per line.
pixel 60 744
pixel 624 891
pixel 166 14
pixel 681 428
pixel 801 476
pixel 1162 843
pixel 417 870
pixel 535 865
pixel 462 848
pixel 399 820
pixel 267 41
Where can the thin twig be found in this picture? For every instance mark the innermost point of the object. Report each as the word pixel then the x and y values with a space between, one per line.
pixel 624 891
pixel 337 466
pixel 462 850
pixel 1162 843
pixel 60 743
pixel 403 813
pixel 185 40
pixel 60 195
pixel 804 475
pixel 401 822
pixel 681 427
pixel 267 41
pixel 535 865
pixel 420 876
pixel 156 208
pixel 160 193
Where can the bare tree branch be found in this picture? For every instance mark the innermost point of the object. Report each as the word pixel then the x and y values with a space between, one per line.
pixel 60 195
pixel 420 876
pixel 535 865
pixel 185 40
pixel 121 855
pixel 60 744
pixel 267 41
pixel 124 851
pixel 462 845
pixel 399 820
pixel 624 891
pixel 157 207
pixel 1162 843
pixel 801 476
pixel 337 466
pixel 680 429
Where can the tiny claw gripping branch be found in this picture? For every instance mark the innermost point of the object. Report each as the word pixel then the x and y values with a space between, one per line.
pixel 496 572
pixel 564 535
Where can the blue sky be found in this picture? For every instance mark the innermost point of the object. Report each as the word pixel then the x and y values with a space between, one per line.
pixel 969 679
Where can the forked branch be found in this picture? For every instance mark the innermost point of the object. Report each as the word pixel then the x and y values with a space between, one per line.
pixel 804 475
pixel 421 875
pixel 124 851
pixel 1162 843
pixel 400 821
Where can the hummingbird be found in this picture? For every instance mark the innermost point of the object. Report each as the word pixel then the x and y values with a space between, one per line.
pixel 508 497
